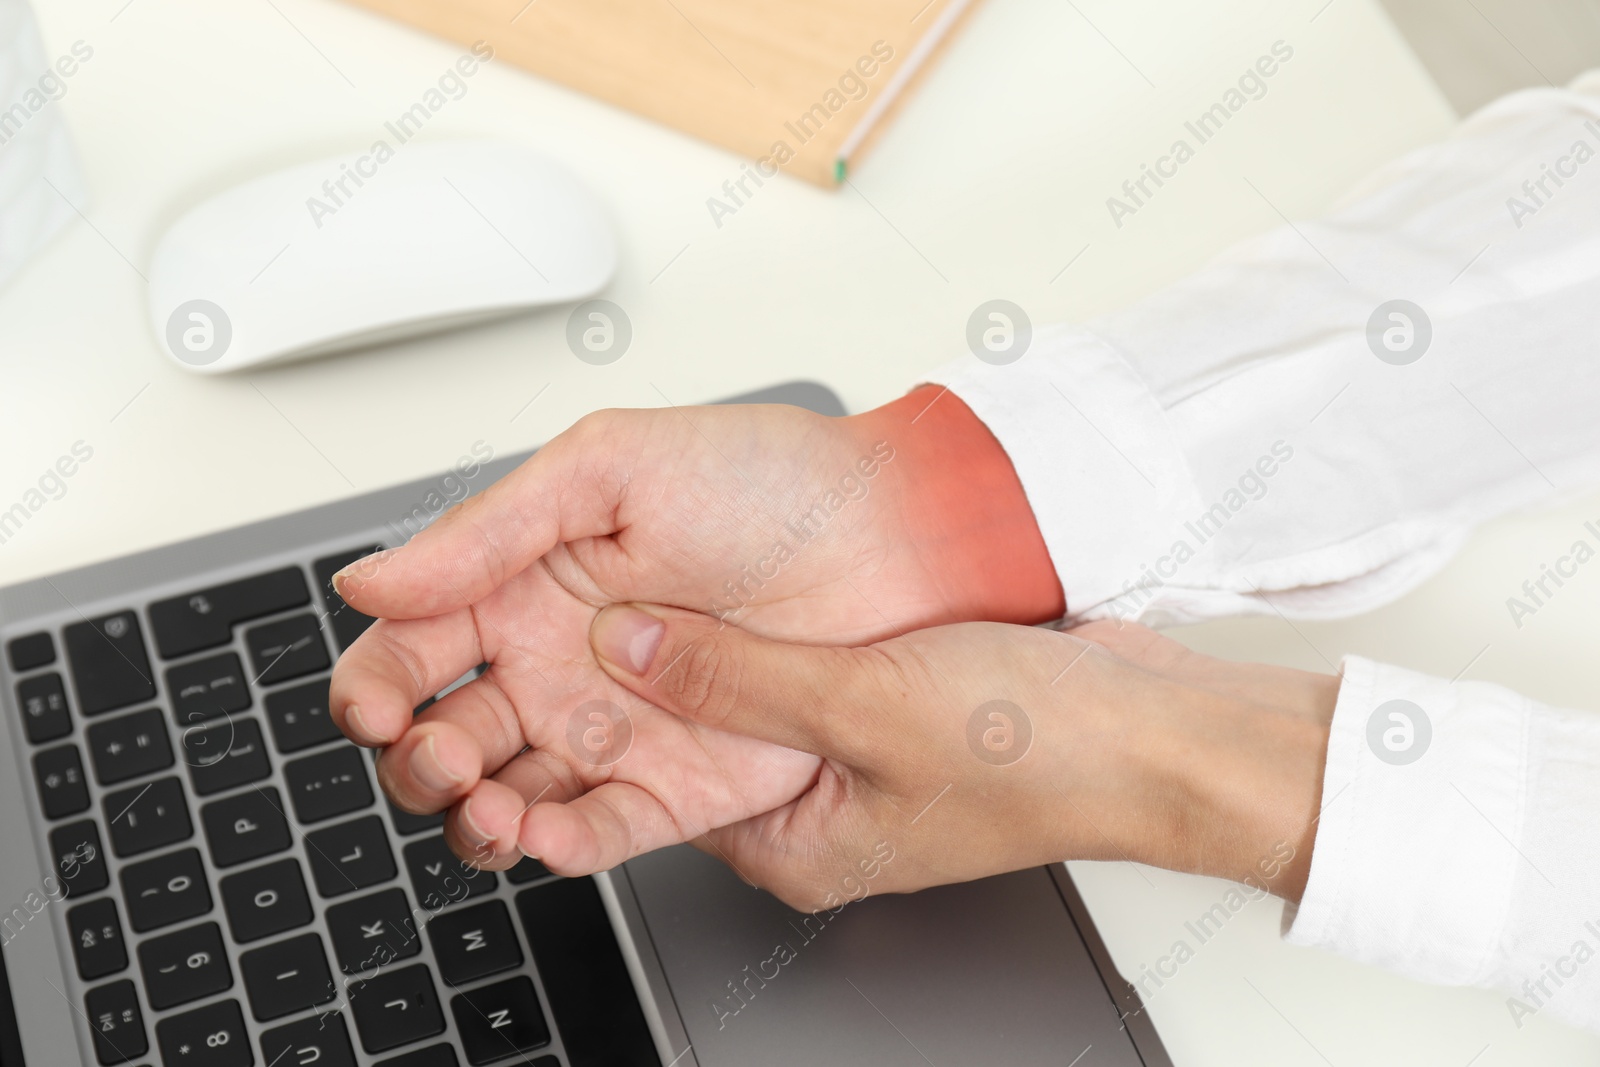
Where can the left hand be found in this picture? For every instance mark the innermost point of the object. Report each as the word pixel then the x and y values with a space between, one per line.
pixel 847 528
pixel 968 750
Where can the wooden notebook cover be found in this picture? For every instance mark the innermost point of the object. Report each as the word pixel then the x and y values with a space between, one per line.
pixel 785 81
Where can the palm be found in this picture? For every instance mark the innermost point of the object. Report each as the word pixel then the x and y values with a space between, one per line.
pixel 793 542
pixel 773 542
pixel 534 633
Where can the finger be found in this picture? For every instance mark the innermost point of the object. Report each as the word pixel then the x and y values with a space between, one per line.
pixel 476 545
pixel 395 666
pixel 598 830
pixel 483 827
pixel 483 713
pixel 728 679
pixel 431 767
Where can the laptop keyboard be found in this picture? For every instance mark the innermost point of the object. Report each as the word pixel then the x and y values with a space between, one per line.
pixel 242 894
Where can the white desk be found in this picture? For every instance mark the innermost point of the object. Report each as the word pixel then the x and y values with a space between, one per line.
pixel 993 180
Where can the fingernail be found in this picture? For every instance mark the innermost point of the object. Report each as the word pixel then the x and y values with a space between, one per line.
pixel 353 575
pixel 627 637
pixel 429 770
pixel 526 854
pixel 356 722
pixel 468 823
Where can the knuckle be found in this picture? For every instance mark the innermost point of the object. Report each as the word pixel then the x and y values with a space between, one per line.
pixel 618 841
pixel 586 425
pixel 490 553
pixel 805 892
pixel 395 787
pixel 497 724
pixel 476 853
pixel 802 899
pixel 705 681
pixel 595 425
pixel 503 712
pixel 564 782
pixel 403 655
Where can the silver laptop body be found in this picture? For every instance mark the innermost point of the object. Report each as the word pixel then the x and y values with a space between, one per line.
pixel 669 960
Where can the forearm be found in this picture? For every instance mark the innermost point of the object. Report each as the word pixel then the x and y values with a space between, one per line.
pixel 1246 441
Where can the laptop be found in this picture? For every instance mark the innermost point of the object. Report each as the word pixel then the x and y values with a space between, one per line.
pixel 197 870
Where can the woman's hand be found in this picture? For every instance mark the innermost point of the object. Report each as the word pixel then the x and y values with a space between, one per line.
pixel 793 525
pixel 969 750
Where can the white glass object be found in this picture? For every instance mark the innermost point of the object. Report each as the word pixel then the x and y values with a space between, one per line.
pixel 39 177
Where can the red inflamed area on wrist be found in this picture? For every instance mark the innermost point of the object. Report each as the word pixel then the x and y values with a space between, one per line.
pixel 967 509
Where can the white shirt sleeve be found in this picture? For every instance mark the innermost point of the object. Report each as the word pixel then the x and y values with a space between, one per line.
pixel 1233 443
pixel 1457 841
pixel 1266 436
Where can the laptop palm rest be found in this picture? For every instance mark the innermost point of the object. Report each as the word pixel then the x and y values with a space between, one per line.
pixel 987 972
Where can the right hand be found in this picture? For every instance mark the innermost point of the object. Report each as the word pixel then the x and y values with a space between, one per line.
pixel 789 524
pixel 958 752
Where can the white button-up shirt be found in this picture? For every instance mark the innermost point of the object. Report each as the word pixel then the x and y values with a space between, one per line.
pixel 1312 425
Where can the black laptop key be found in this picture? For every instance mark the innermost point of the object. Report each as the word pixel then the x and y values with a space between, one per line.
pixel 299 716
pixel 264 901
pixel 212 1036
pixel 440 878
pixel 80 860
pixel 109 667
pixel 165 890
pixel 592 999
pixel 207 689
pixel 474 942
pixel 396 1008
pixel 31 651
pixel 348 623
pixel 245 827
pixel 185 965
pixel 62 788
pixel 206 618
pixel 287 649
pixel 445 1056
pixel 225 756
pixel 328 784
pixel 97 942
pixel 319 1040
pixel 286 977
pixel 373 931
pixel 406 824
pixel 350 856
pixel 129 746
pixel 527 870
pixel 44 708
pixel 146 817
pixel 502 1021
pixel 117 1025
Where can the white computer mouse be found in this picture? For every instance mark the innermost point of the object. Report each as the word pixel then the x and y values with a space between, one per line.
pixel 400 240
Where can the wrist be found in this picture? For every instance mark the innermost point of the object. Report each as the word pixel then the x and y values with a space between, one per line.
pixel 966 509
pixel 1250 784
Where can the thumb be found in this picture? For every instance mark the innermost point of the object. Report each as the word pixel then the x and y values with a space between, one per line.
pixel 723 677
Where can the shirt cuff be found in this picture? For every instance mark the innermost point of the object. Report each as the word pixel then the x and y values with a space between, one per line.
pixel 1101 467
pixel 1417 846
